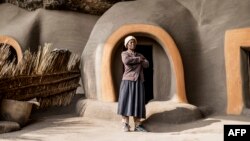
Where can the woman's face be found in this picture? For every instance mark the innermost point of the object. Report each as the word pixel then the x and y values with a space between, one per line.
pixel 131 44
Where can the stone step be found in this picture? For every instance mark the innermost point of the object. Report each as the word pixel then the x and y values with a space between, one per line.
pixel 156 111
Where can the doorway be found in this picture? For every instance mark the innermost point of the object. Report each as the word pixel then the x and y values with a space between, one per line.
pixel 247 79
pixel 146 51
pixel 245 75
pixel 107 73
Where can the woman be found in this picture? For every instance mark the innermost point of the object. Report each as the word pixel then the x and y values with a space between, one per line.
pixel 131 97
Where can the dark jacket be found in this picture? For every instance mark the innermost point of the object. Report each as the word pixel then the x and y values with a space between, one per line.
pixel 133 66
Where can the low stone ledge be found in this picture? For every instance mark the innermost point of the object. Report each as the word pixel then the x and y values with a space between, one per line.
pixel 171 112
pixel 97 109
pixel 157 111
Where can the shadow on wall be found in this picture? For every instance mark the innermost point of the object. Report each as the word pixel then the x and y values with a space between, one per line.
pixel 33 41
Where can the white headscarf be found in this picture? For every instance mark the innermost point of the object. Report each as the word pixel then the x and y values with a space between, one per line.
pixel 128 38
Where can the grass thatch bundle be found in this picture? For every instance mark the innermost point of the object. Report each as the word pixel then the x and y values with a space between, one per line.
pixel 95 7
pixel 51 76
pixel 27 4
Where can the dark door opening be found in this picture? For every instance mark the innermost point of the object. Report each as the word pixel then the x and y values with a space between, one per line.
pixel 247 94
pixel 245 75
pixel 146 51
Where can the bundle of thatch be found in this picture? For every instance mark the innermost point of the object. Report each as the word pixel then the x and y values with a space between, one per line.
pixel 51 76
pixel 95 7
pixel 27 4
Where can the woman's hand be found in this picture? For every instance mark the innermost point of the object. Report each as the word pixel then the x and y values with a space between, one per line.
pixel 142 59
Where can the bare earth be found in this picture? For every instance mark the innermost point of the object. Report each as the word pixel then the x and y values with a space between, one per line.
pixel 68 127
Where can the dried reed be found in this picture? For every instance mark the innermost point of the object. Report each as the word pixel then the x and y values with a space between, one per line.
pixel 51 76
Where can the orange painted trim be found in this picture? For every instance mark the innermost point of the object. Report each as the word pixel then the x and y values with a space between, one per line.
pixel 10 41
pixel 234 41
pixel 158 34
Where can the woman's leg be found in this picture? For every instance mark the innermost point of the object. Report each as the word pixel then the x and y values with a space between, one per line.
pixel 125 123
pixel 137 121
pixel 125 119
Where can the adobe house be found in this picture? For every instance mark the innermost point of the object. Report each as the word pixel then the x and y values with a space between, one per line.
pixel 102 66
pixel 184 42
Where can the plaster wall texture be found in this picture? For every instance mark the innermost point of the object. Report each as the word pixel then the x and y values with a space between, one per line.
pixel 63 29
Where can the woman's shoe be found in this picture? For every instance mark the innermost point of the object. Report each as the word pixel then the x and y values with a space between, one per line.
pixel 126 127
pixel 140 128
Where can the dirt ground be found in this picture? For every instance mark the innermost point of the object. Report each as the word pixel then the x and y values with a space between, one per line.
pixel 69 127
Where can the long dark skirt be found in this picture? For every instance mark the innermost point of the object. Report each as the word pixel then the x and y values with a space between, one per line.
pixel 132 99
